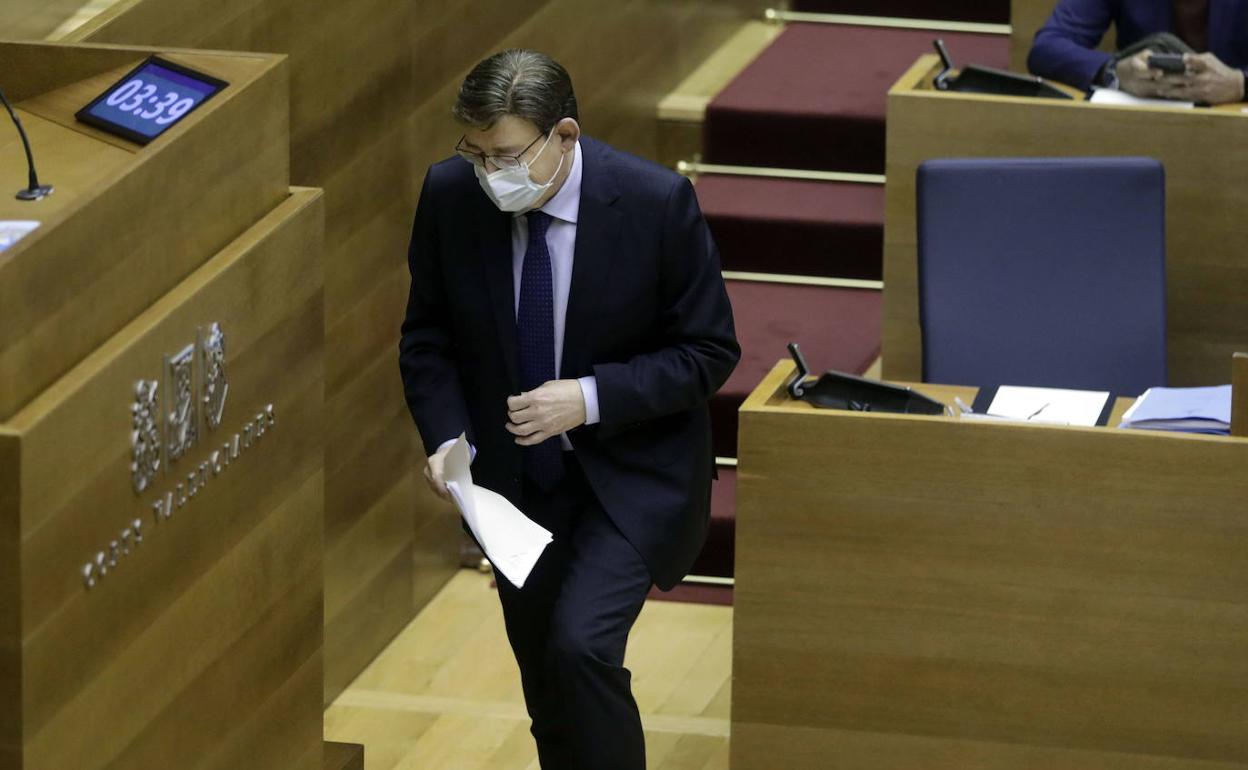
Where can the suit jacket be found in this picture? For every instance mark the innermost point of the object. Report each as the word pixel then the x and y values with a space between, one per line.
pixel 1064 47
pixel 647 315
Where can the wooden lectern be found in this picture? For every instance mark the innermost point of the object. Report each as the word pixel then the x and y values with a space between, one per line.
pixel 161 418
pixel 935 593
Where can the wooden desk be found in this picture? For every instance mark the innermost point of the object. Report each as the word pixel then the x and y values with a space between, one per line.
pixel 1205 153
pixel 938 594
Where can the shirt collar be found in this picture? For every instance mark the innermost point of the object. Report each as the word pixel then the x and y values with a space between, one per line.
pixel 566 204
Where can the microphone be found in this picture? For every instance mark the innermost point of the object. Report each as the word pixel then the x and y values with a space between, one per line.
pixel 34 191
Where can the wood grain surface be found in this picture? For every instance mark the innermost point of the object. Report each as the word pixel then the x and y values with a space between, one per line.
pixel 446 693
pixel 204 640
pixel 985 595
pixel 123 227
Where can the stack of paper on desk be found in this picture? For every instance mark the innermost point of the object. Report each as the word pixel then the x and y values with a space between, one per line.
pixel 1193 410
pixel 1056 406
pixel 1123 99
pixel 511 541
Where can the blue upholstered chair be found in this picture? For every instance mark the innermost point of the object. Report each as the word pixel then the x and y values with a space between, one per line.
pixel 1045 272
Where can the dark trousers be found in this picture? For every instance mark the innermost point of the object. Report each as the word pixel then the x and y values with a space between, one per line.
pixel 568 627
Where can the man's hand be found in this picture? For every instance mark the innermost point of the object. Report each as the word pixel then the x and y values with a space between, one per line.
pixel 1207 81
pixel 435 472
pixel 553 408
pixel 1136 78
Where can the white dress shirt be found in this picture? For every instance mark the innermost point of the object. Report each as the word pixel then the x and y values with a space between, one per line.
pixel 563 207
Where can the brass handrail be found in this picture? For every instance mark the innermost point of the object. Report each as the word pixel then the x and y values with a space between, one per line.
pixel 780 16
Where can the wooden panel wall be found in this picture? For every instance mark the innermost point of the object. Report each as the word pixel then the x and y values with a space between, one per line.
pixel 372 83
pixel 200 185
pixel 985 596
pixel 10 600
pixel 35 19
pixel 205 639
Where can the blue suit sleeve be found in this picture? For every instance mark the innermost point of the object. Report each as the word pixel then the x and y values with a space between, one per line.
pixel 1064 48
pixel 431 383
pixel 700 349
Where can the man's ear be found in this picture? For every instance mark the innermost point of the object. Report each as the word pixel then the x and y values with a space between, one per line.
pixel 569 132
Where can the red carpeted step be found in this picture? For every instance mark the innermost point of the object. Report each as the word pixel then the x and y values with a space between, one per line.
pixel 837 329
pixel 798 227
pixel 985 11
pixel 817 97
pixel 717 553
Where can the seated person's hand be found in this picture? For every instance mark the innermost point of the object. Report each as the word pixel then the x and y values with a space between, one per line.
pixel 1207 81
pixel 555 407
pixel 1135 77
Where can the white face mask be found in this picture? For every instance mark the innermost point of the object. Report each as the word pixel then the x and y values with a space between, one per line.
pixel 512 189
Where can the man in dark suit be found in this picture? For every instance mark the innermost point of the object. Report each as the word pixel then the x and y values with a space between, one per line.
pixel 1064 49
pixel 567 312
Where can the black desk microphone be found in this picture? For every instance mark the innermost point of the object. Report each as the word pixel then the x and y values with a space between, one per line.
pixel 34 191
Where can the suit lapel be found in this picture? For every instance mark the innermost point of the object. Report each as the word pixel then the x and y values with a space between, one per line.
pixel 597 238
pixel 494 251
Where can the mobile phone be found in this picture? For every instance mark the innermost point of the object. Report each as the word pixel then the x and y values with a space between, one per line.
pixel 1171 63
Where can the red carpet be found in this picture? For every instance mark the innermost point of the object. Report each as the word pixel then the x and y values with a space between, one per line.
pixel 717 555
pixel 795 227
pixel 986 11
pixel 837 329
pixel 695 593
pixel 817 97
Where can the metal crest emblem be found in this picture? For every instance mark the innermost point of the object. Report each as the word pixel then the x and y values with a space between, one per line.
pixel 181 426
pixel 212 364
pixel 195 386
pixel 145 445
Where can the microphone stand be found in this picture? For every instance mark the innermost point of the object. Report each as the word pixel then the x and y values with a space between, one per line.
pixel 34 191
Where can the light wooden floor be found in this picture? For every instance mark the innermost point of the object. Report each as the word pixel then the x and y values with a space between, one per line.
pixel 445 695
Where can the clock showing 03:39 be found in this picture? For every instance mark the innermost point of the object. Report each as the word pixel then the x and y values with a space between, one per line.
pixel 149 99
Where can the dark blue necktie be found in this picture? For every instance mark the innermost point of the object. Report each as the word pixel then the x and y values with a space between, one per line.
pixel 535 335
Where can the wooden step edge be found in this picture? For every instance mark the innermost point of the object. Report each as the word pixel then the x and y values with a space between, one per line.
pixel 687 102
pixel 695 168
pixel 343 756
pixel 803 280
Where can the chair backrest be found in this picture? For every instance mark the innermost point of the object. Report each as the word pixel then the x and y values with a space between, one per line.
pixel 1046 272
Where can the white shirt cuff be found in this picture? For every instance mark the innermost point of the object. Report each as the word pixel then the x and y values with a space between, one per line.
pixel 589 391
pixel 472 450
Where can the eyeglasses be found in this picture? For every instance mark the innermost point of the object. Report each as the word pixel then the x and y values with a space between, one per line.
pixel 497 161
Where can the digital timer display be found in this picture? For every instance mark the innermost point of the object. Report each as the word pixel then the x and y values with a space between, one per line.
pixel 151 98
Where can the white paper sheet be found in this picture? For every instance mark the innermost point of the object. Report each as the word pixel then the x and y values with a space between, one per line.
pixel 1123 99
pixel 13 230
pixel 1051 405
pixel 512 541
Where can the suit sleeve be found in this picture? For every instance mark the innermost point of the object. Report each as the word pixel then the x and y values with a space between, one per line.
pixel 431 383
pixel 1065 47
pixel 699 348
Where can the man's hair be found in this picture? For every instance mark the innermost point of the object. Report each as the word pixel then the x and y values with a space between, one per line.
pixel 518 82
